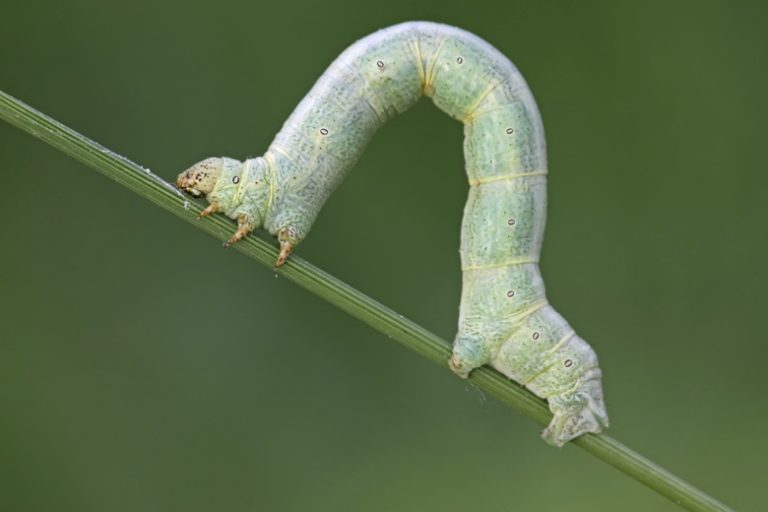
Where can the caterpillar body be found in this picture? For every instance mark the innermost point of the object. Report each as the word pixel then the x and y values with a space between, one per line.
pixel 505 320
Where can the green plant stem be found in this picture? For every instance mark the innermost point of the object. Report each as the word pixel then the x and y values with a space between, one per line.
pixel 357 304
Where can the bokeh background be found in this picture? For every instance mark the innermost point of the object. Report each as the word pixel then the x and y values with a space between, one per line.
pixel 142 367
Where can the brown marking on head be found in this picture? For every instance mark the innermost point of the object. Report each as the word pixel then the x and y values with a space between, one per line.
pixel 201 177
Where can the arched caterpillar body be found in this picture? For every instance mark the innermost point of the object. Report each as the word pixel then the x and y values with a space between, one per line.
pixel 505 319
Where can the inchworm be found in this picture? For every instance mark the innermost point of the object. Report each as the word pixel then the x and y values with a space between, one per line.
pixel 505 320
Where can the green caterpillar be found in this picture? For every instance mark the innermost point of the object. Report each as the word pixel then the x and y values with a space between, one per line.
pixel 505 319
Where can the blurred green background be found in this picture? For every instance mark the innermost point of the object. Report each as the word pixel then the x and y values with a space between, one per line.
pixel 142 367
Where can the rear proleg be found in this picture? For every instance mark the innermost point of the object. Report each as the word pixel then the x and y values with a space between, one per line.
pixel 576 412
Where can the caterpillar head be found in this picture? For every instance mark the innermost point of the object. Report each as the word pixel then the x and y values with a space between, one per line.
pixel 239 190
pixel 201 178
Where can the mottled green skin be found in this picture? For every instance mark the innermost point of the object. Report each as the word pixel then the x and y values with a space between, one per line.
pixel 241 186
pixel 505 320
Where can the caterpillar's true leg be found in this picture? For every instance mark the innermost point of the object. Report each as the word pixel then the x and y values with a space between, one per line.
pixel 244 228
pixel 209 210
pixel 288 238
pixel 285 251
